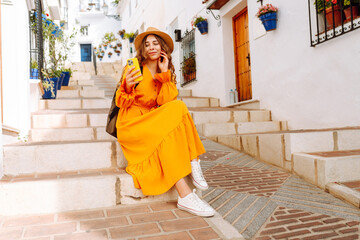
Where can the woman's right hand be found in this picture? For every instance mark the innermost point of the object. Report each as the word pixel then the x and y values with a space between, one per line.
pixel 130 79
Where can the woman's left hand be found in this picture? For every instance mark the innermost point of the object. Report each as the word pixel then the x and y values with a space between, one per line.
pixel 164 65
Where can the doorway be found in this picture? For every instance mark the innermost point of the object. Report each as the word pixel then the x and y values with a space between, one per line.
pixel 85 52
pixel 242 55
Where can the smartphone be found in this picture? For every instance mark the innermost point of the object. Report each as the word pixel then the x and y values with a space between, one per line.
pixel 134 62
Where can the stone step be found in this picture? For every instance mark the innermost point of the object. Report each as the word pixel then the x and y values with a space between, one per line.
pixel 200 102
pixel 81 75
pixel 81 82
pixel 69 134
pixel 185 92
pixel 322 168
pixel 69 119
pixel 89 93
pixel 75 103
pixel 277 148
pixel 230 115
pixel 79 88
pixel 43 157
pixel 248 104
pixel 344 192
pixel 67 191
pixel 215 129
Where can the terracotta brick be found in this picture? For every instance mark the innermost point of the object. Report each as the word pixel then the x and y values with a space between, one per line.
pixel 40 238
pixel 68 216
pixel 173 236
pixel 263 238
pixel 295 211
pixel 291 234
pixel 10 233
pixel 183 214
pixel 61 228
pixel 349 230
pixel 152 217
pixel 306 219
pixel 103 223
pixel 274 230
pixel 331 227
pixel 321 236
pixel 296 215
pixel 204 234
pixel 284 222
pixel 354 184
pixel 183 224
pixel 93 235
pixel 332 220
pixel 163 206
pixel 127 210
pixel 352 223
pixel 134 230
pixel 303 225
pixel 29 220
pixel 352 237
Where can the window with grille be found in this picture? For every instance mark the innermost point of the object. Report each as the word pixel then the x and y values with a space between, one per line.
pixel 84 30
pixel 188 65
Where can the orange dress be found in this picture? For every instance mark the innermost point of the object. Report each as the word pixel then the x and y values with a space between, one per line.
pixel 156 133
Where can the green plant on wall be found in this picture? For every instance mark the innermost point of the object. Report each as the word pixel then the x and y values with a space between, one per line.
pixel 109 37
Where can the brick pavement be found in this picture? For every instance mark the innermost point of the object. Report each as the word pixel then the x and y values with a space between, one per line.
pixel 263 202
pixel 155 221
pixel 260 201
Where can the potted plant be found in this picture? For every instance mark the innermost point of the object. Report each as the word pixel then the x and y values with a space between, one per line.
pixel 348 8
pixel 100 57
pixel 34 72
pixel 268 16
pixel 332 8
pixel 102 52
pixel 129 36
pixel 118 52
pixel 109 54
pixel 50 83
pixel 189 67
pixel 201 23
pixel 121 33
pixel 67 74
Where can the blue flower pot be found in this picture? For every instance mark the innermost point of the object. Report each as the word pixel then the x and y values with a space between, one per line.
pixel 122 36
pixel 66 79
pixel 100 59
pixel 50 88
pixel 269 21
pixel 105 47
pixel 118 54
pixel 131 39
pixel 34 73
pixel 203 27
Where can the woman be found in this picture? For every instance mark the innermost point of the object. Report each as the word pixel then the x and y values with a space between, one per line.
pixel 155 131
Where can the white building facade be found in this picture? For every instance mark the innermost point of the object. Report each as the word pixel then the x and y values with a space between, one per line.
pixel 310 87
pixel 92 19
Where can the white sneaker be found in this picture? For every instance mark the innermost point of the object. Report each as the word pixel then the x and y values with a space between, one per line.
pixel 197 176
pixel 193 204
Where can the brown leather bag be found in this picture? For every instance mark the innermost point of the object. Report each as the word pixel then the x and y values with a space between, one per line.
pixel 112 118
pixel 113 114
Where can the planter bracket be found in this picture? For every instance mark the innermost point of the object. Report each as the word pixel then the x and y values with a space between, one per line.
pixel 216 17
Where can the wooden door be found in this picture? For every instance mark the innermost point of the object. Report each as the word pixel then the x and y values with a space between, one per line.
pixel 242 55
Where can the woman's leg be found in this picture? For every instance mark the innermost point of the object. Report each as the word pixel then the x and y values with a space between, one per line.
pixel 182 188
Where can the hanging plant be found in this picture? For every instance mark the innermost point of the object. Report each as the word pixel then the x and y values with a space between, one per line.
pixel 268 16
pixel 201 23
pixel 109 54
pixel 130 36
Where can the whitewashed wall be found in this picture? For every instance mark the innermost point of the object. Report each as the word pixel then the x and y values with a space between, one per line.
pixel 15 65
pixel 98 23
pixel 310 87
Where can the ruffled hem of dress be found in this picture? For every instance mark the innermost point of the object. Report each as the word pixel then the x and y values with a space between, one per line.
pixel 174 136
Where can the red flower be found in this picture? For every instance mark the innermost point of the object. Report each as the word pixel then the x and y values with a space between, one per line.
pixel 48 14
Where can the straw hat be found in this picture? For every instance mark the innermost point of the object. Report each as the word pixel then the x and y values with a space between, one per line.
pixel 152 30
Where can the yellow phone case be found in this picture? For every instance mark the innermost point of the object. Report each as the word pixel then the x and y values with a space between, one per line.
pixel 134 62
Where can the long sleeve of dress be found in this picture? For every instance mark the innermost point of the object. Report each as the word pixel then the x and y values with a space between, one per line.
pixel 124 99
pixel 168 91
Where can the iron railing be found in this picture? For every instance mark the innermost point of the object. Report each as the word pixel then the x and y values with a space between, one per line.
pixel 94 61
pixel 39 37
pixel 188 65
pixel 328 20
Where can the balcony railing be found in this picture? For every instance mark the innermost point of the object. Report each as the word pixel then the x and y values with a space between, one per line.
pixel 329 20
